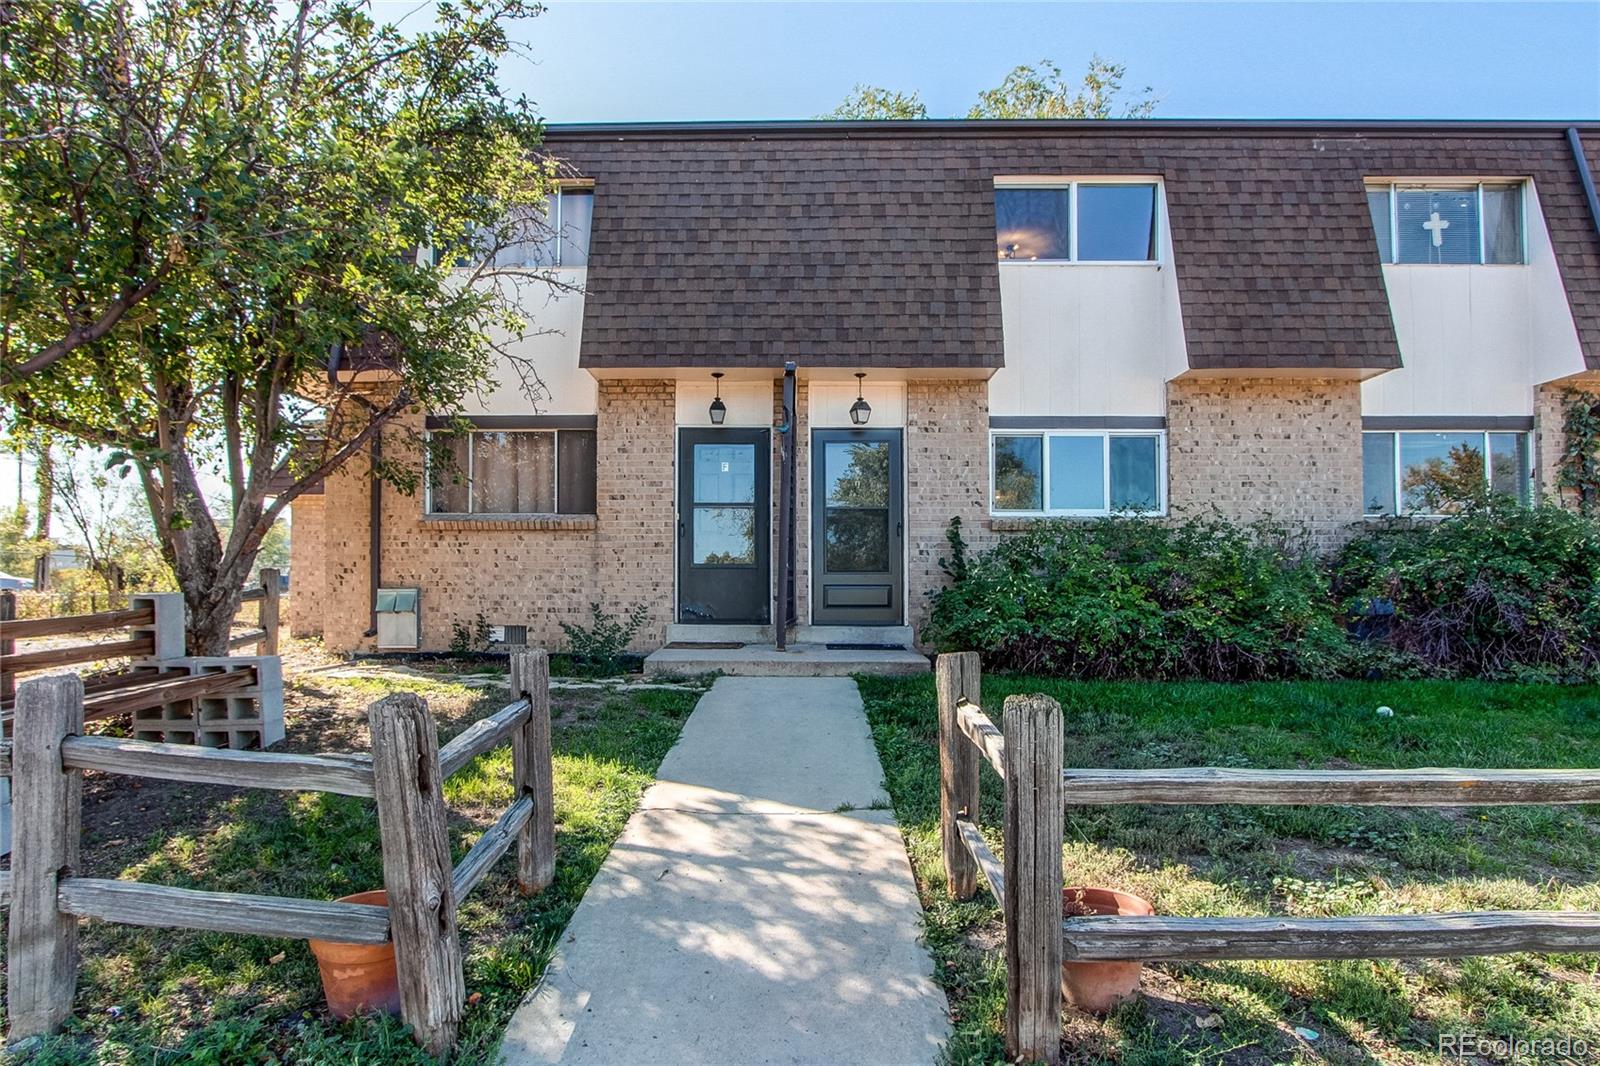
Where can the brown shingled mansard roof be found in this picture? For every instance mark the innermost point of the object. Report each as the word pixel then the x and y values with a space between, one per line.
pixel 872 243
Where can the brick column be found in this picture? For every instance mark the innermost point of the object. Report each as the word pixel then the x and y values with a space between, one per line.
pixel 1549 440
pixel 1250 448
pixel 947 475
pixel 635 500
pixel 307 566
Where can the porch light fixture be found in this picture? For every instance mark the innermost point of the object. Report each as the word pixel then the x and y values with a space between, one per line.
pixel 719 410
pixel 861 410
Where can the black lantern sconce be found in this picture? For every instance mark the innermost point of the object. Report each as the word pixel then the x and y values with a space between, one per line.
pixel 861 410
pixel 719 410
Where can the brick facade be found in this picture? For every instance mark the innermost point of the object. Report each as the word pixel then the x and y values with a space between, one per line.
pixel 307 571
pixel 947 476
pixel 1549 402
pixel 1248 448
pixel 636 501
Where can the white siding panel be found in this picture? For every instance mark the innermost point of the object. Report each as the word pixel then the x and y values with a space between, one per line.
pixel 554 333
pixel 1474 340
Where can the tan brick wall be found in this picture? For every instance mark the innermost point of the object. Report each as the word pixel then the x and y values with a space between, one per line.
pixel 636 500
pixel 307 574
pixel 536 573
pixel 947 475
pixel 1248 448
pixel 1549 440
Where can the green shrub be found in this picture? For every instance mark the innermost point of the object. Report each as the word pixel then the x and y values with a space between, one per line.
pixel 1495 591
pixel 1128 597
pixel 597 649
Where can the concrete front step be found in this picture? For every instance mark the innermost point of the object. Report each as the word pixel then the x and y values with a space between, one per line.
pixel 798 660
pixel 897 636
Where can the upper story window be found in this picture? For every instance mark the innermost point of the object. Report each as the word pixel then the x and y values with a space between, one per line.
pixel 1448 224
pixel 556 236
pixel 1076 222
pixel 523 472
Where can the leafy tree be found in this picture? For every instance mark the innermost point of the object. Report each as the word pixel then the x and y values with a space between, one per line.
pixel 1026 92
pixel 874 102
pixel 1043 92
pixel 211 213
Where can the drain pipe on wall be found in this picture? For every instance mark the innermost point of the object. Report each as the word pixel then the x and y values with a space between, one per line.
pixel 1584 177
pixel 336 353
pixel 781 598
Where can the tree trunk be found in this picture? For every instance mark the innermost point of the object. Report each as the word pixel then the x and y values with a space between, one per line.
pixel 44 483
pixel 211 582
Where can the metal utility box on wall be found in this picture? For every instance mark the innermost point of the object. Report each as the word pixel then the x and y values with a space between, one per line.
pixel 399 624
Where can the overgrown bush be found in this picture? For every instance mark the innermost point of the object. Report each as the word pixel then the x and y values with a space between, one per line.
pixel 1496 591
pixel 1127 597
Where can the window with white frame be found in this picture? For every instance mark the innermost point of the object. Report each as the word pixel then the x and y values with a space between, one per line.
pixel 555 236
pixel 1445 224
pixel 1429 472
pixel 1078 472
pixel 1076 222
pixel 518 472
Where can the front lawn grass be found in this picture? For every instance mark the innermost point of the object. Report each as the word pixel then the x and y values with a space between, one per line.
pixel 171 996
pixel 1310 861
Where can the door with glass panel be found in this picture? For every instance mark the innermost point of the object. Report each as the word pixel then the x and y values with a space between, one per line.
pixel 724 522
pixel 857 527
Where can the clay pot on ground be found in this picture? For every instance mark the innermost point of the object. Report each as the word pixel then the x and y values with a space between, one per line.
pixel 1097 987
pixel 358 978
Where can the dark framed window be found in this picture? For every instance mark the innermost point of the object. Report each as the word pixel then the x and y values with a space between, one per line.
pixel 511 472
pixel 1077 222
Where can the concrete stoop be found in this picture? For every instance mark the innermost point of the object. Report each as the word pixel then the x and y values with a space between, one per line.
pixel 798 660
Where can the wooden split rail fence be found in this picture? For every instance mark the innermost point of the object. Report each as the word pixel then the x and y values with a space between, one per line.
pixel 404 774
pixel 1027 753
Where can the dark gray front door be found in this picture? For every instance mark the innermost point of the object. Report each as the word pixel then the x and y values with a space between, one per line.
pixel 724 518
pixel 857 529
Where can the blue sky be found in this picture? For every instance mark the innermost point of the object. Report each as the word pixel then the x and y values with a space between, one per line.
pixel 595 61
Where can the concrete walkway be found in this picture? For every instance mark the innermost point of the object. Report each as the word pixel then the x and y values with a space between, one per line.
pixel 754 910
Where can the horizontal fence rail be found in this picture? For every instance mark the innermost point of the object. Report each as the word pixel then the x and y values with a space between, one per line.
pixel 133 903
pixel 344 775
pixel 988 865
pixel 1423 787
pixel 1380 936
pixel 132 648
pixel 481 736
pixel 977 727
pixel 31 628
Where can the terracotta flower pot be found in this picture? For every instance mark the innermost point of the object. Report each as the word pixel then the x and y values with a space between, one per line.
pixel 1097 987
pixel 358 977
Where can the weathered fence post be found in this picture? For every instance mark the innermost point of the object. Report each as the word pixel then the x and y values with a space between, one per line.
pixel 417 870
pixel 959 679
pixel 268 618
pixel 42 942
pixel 8 612
pixel 531 770
pixel 1033 834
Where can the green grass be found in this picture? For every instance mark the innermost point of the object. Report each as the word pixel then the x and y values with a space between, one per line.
pixel 1282 860
pixel 170 996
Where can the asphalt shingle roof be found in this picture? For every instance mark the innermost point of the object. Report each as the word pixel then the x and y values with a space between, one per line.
pixel 872 244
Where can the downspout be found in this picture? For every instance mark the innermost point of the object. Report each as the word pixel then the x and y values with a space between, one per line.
pixel 1584 177
pixel 375 517
pixel 783 594
pixel 375 530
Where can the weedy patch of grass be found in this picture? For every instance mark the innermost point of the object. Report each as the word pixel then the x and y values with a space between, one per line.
pixel 1311 861
pixel 159 996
